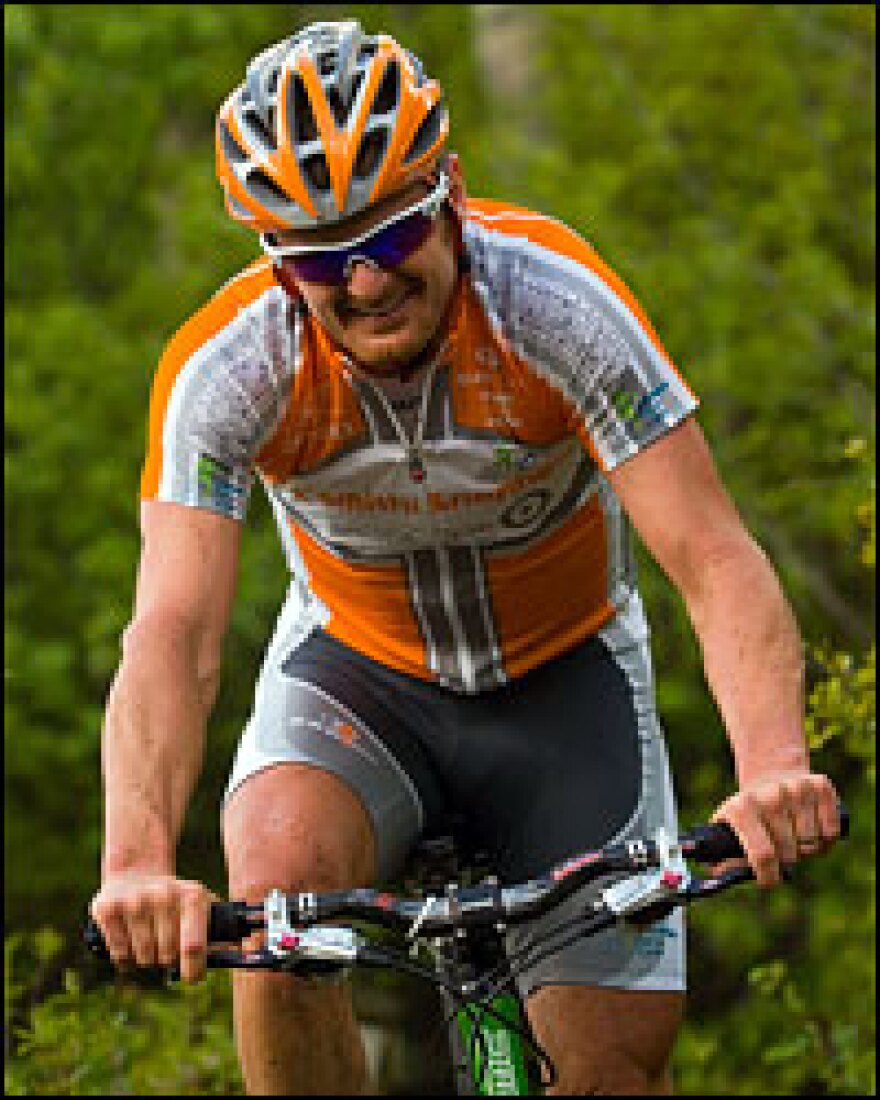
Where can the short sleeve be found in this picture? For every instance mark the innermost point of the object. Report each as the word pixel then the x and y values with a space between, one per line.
pixel 218 394
pixel 582 330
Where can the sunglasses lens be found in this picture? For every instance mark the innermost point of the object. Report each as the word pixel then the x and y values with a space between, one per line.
pixel 394 244
pixel 327 268
pixel 388 248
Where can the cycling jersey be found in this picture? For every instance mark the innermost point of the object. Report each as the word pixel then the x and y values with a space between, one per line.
pixel 475 538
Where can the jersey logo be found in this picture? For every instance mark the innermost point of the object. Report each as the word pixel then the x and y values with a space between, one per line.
pixel 529 508
pixel 646 410
pixel 508 459
pixel 217 487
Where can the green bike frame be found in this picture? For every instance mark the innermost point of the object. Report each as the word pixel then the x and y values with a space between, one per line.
pixel 505 1069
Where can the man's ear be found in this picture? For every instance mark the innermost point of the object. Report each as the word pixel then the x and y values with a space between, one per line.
pixel 457 193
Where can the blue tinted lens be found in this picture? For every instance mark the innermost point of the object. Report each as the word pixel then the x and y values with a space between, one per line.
pixel 319 267
pixel 388 248
pixel 399 240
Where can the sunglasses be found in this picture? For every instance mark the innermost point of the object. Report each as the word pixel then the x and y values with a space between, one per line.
pixel 387 245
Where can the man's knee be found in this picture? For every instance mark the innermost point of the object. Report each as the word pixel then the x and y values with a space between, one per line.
pixel 295 827
pixel 605 1041
pixel 609 1073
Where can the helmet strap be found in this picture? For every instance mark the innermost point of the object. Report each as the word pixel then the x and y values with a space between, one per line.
pixel 288 283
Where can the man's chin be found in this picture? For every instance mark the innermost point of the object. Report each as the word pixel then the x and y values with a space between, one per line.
pixel 386 354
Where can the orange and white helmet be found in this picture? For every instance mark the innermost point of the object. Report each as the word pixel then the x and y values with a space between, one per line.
pixel 325 124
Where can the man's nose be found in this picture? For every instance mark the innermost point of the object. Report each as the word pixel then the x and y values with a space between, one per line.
pixel 366 280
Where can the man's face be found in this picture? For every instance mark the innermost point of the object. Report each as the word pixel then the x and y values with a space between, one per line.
pixel 384 318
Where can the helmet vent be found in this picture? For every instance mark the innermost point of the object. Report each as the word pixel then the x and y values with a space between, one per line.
pixel 266 191
pixel 342 109
pixel 336 106
pixel 427 134
pixel 389 90
pixel 366 52
pixel 316 171
pixel 305 128
pixel 257 131
pixel 370 154
pixel 231 149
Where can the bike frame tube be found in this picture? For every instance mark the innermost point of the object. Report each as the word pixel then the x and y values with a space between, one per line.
pixel 494 1062
pixel 505 1072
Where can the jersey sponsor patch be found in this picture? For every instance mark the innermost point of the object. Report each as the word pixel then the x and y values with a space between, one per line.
pixel 217 487
pixel 640 411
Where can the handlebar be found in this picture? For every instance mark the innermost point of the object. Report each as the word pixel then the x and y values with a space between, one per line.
pixel 656 880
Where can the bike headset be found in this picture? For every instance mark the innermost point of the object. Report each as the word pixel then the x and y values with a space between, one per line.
pixel 326 124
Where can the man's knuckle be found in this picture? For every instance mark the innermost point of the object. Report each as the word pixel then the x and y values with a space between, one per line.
pixel 823 787
pixel 750 806
pixel 116 944
pixel 191 893
pixel 136 907
pixel 776 801
pixel 162 896
pixel 764 856
pixel 107 910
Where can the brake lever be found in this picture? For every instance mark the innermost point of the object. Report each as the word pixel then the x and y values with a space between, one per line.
pixel 705 887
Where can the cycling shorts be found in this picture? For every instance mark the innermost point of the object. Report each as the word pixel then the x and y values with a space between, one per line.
pixel 562 760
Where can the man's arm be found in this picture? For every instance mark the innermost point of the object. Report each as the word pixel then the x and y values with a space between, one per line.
pixel 154 732
pixel 752 652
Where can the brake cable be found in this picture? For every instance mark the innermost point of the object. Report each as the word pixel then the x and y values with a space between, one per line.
pixel 476 1010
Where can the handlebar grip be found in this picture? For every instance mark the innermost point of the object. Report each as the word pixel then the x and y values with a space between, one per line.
pixel 716 842
pixel 227 923
pixel 94 941
pixel 147 977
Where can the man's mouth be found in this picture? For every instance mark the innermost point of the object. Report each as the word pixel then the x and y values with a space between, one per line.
pixel 381 310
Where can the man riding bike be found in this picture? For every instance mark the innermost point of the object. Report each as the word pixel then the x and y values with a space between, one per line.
pixel 456 409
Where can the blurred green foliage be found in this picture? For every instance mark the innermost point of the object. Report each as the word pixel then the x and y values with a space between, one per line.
pixel 721 159
pixel 116 1040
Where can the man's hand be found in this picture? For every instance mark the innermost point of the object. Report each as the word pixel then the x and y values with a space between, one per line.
pixel 781 818
pixel 155 920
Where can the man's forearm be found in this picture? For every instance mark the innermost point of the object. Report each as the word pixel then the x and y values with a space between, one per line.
pixel 152 749
pixel 753 659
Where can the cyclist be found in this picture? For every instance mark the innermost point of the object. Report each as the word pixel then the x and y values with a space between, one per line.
pixel 456 408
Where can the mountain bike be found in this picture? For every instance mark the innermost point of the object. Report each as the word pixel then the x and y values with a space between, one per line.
pixel 452 936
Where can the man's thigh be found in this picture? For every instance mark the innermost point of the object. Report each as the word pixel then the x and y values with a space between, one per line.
pixel 607 1042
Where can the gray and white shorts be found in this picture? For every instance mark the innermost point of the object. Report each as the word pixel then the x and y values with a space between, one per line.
pixel 562 760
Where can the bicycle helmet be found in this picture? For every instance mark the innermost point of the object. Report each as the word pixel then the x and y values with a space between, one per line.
pixel 326 123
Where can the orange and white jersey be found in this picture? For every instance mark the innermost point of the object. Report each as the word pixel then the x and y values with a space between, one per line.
pixel 462 530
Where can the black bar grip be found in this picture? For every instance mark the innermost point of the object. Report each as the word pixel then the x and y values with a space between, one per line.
pixel 228 922
pixel 94 941
pixel 713 843
pixel 148 977
pixel 716 842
